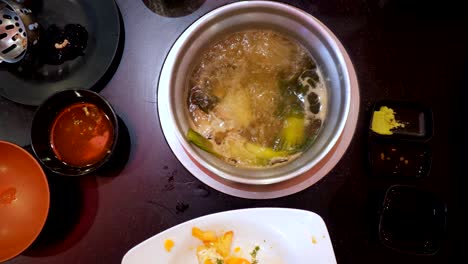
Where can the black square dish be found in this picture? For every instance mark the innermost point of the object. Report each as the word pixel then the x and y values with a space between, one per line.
pixel 417 120
pixel 399 159
pixel 412 220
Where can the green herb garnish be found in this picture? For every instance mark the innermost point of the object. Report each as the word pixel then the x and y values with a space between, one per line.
pixel 219 261
pixel 253 254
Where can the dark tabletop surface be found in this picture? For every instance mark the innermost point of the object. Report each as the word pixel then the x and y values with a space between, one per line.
pixel 414 52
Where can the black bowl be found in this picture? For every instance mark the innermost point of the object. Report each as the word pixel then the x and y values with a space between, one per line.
pixel 42 124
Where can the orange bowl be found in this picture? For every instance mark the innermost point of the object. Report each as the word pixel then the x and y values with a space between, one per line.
pixel 24 200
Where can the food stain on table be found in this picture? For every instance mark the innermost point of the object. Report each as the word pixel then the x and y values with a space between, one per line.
pixel 8 195
pixel 383 121
pixel 168 245
pixel 181 207
pixel 170 185
pixel 81 135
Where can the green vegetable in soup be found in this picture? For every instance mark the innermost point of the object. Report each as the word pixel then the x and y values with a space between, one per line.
pixel 265 153
pixel 292 135
pixel 293 94
pixel 256 155
pixel 200 141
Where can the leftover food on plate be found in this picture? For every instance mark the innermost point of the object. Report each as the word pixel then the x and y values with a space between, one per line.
pixel 235 237
pixel 169 244
pixel 55 47
pixel 217 249
pixel 81 135
pixel 8 195
pixel 256 99
pixel 65 44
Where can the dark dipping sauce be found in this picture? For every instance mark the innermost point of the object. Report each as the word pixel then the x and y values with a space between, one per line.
pixel 81 135
pixel 412 220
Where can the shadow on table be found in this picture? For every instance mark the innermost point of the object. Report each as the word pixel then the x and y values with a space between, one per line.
pixel 73 208
pixel 351 219
pixel 121 153
pixel 74 203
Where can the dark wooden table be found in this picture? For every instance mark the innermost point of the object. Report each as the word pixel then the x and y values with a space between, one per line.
pixel 414 52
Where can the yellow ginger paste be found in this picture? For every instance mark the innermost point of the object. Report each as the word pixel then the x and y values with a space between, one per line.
pixel 383 121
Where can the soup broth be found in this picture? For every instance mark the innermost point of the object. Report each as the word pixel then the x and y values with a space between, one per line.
pixel 256 99
pixel 81 135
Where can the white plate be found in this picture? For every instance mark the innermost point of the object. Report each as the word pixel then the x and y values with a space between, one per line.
pixel 284 235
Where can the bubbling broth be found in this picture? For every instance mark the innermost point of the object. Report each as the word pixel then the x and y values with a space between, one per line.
pixel 256 99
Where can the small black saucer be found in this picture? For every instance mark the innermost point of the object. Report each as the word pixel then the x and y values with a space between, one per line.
pixel 412 220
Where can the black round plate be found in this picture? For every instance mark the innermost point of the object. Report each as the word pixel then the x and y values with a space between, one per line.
pixel 101 19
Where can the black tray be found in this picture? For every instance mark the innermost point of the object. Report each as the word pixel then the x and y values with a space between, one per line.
pixel 417 119
pixel 412 221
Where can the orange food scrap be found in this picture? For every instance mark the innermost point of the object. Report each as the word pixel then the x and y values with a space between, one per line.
pixel 205 236
pixel 8 196
pixel 314 240
pixel 168 244
pixel 217 249
pixel 237 261
pixel 223 245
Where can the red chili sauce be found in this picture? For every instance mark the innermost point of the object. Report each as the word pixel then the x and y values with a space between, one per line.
pixel 81 135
